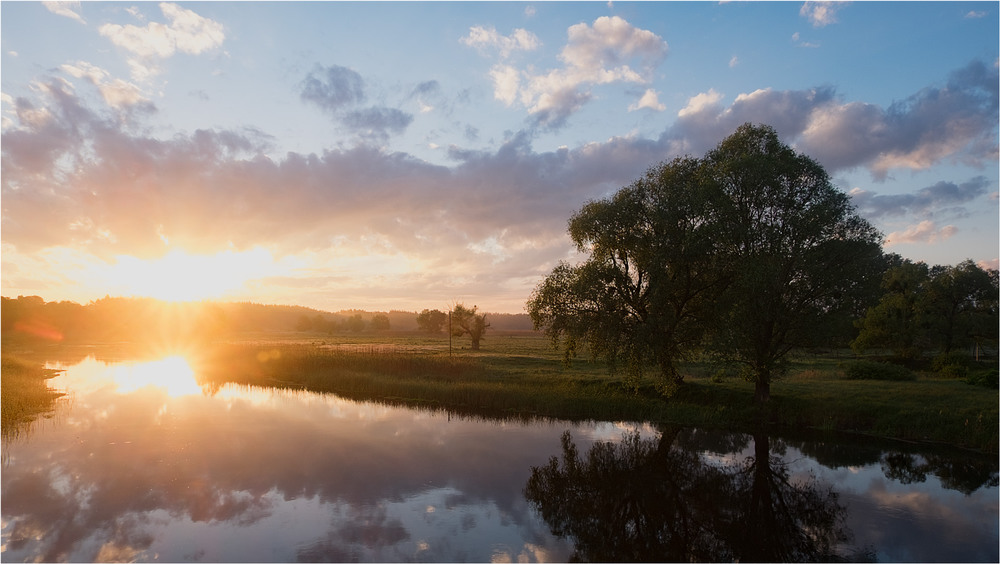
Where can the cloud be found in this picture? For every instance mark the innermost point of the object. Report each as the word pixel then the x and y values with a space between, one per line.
pixel 821 14
pixel 925 232
pixel 488 38
pixel 942 195
pixel 797 39
pixel 609 51
pixel 976 14
pixel 649 100
pixel 66 9
pixel 915 133
pixel 106 188
pixel 955 121
pixel 332 88
pixel 377 122
pixel 706 101
pixel 734 61
pixel 424 92
pixel 186 32
pixel 338 90
pixel 117 93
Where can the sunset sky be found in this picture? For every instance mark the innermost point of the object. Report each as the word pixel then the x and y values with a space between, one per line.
pixel 414 155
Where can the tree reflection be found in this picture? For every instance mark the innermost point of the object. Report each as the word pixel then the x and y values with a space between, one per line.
pixel 963 473
pixel 647 500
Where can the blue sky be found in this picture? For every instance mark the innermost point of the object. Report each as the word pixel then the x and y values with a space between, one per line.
pixel 412 155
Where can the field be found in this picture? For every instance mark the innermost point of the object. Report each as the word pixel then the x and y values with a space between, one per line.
pixel 521 375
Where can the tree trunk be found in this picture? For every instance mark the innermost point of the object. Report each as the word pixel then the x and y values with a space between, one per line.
pixel 762 390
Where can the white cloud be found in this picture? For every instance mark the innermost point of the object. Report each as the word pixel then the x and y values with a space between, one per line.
pixel 701 102
pixel 797 39
pixel 186 32
pixel 924 232
pixel 506 83
pixel 821 14
pixel 482 37
pixel 976 14
pixel 734 61
pixel 117 93
pixel 649 100
pixel 66 9
pixel 611 50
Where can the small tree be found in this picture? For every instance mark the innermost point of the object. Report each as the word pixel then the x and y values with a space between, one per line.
pixel 431 321
pixel 465 321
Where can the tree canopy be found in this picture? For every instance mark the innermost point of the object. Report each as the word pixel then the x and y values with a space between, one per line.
pixel 465 321
pixel 740 252
pixel 932 308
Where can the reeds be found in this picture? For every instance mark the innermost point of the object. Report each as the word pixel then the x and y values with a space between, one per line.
pixel 23 395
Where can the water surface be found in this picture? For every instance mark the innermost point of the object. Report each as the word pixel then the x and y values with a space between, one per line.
pixel 139 462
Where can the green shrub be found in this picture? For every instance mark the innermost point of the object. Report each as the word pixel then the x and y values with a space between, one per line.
pixel 869 370
pixel 987 378
pixel 943 361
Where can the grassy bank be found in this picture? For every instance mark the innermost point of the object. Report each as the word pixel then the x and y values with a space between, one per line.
pixel 23 394
pixel 521 376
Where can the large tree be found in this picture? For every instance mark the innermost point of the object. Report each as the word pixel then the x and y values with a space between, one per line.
pixel 644 296
pixel 750 250
pixel 801 253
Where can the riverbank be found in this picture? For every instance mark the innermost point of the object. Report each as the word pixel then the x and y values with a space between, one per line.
pixel 521 376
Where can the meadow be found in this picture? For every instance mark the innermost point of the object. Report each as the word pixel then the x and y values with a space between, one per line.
pixel 522 376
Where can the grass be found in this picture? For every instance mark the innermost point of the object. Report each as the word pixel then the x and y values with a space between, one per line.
pixel 23 395
pixel 522 376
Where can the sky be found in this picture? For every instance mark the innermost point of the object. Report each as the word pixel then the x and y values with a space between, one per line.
pixel 420 154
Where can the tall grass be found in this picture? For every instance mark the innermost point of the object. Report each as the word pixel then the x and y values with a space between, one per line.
pixel 23 395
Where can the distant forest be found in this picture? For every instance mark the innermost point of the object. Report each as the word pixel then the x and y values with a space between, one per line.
pixel 110 319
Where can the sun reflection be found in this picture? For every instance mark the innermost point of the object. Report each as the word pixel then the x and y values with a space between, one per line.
pixel 172 373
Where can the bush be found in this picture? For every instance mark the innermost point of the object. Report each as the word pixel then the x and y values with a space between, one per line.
pixel 943 361
pixel 988 378
pixel 869 370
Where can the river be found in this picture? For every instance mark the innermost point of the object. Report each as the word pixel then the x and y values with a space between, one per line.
pixel 138 462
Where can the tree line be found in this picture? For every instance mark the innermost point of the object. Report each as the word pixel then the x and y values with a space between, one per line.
pixel 746 254
pixel 109 319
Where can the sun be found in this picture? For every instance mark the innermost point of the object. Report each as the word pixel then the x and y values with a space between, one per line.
pixel 179 276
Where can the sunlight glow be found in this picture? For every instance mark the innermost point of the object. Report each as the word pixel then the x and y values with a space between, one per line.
pixel 179 276
pixel 172 374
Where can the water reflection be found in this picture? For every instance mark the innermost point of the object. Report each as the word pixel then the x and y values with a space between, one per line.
pixel 173 374
pixel 646 500
pixel 691 495
pixel 139 467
